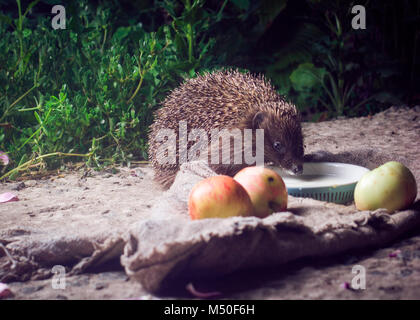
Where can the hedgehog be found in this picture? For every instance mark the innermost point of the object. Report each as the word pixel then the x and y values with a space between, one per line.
pixel 231 100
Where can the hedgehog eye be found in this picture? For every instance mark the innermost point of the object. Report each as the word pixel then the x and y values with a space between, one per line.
pixel 278 147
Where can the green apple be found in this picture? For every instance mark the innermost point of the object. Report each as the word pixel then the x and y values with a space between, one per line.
pixel 391 186
pixel 266 189
pixel 219 197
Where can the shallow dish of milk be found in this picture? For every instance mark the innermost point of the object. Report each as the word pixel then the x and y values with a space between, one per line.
pixel 327 181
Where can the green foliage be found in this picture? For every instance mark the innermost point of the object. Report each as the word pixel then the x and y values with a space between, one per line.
pixel 351 83
pixel 327 67
pixel 288 58
pixel 188 34
pixel 65 90
pixel 307 81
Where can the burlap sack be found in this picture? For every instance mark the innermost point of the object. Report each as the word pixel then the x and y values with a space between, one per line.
pixel 169 245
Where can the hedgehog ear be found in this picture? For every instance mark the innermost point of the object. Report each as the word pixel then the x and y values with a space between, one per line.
pixel 258 119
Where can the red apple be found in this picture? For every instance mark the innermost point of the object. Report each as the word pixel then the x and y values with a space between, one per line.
pixel 266 189
pixel 219 197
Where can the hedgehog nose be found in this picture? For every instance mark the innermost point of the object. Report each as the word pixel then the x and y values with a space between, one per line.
pixel 297 169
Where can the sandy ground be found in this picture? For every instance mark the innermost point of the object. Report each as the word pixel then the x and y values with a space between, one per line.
pixel 73 199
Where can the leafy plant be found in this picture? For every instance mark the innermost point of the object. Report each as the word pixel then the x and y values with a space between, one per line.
pixel 306 80
pixel 94 86
pixel 289 60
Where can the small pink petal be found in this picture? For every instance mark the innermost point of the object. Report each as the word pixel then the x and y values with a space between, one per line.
pixel 4 158
pixel 345 285
pixel 5 291
pixel 395 253
pixel 7 197
pixel 190 288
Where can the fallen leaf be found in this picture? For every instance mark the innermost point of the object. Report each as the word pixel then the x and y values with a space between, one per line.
pixel 190 288
pixel 395 254
pixel 4 158
pixel 345 285
pixel 5 291
pixel 7 197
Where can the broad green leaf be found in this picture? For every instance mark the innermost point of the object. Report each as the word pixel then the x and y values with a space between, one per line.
pixel 306 76
pixel 121 33
pixel 241 4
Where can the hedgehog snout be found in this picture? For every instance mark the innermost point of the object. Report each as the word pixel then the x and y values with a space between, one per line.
pixel 297 169
pixel 292 164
